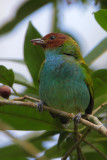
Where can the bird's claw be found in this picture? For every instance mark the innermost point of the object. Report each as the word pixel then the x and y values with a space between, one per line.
pixel 40 106
pixel 77 118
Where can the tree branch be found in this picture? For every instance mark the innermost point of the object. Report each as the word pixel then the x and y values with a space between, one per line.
pixel 99 128
pixel 94 119
pixel 75 145
pixel 79 150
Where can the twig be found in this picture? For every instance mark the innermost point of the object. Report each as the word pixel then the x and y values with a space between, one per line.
pixel 16 93
pixel 77 138
pixel 75 145
pixel 26 97
pixel 97 150
pixel 99 128
pixel 98 108
pixel 94 119
pixel 79 151
pixel 72 131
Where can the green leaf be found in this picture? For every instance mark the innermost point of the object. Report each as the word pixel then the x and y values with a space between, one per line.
pixel 37 140
pixel 100 82
pixel 48 134
pixel 100 74
pixel 13 60
pixel 94 155
pixel 16 158
pixel 102 110
pixel 62 137
pixel 59 151
pixel 93 138
pixel 87 149
pixel 99 141
pixel 33 56
pixel 11 152
pixel 6 76
pixel 21 80
pixel 96 52
pixel 101 18
pixel 55 151
pixel 100 87
pixel 31 92
pixel 99 100
pixel 27 118
pixel 101 90
pixel 27 8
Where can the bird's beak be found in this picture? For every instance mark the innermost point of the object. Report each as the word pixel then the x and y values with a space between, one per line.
pixel 38 41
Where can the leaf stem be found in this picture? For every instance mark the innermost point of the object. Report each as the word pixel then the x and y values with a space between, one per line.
pixel 16 93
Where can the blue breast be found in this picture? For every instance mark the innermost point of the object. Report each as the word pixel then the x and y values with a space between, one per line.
pixel 62 84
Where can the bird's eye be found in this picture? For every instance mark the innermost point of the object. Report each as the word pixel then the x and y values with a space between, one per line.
pixel 52 37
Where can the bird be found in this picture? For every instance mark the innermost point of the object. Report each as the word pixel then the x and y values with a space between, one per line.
pixel 65 81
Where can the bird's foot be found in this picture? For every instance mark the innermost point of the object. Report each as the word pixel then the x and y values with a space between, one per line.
pixel 40 106
pixel 77 118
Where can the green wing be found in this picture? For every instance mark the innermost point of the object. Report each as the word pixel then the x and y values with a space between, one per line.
pixel 89 83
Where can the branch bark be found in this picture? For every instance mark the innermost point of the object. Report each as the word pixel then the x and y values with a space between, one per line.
pixel 99 128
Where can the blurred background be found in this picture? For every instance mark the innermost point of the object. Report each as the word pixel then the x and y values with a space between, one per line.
pixel 69 16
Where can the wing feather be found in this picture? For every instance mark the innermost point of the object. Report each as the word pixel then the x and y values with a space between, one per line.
pixel 89 83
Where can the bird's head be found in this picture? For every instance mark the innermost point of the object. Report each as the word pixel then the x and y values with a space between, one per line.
pixel 51 40
pixel 58 41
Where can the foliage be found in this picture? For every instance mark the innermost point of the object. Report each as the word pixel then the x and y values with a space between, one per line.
pixel 6 76
pixel 26 118
pixel 101 17
pixel 36 57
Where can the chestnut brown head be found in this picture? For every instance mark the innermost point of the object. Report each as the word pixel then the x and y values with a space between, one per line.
pixel 51 40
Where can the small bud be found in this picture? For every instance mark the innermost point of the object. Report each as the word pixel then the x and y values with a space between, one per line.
pixel 5 92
